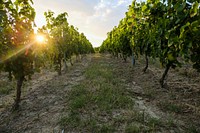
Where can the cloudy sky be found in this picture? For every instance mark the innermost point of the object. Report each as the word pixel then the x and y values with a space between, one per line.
pixel 92 17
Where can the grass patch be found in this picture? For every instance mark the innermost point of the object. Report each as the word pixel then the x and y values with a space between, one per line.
pixel 6 88
pixel 154 124
pixel 150 93
pixel 73 119
pixel 101 103
pixel 171 107
pixel 144 121
pixel 108 98
pixel 78 97
pixel 107 128
pixel 132 129
pixel 92 102
pixel 192 129
pixel 170 123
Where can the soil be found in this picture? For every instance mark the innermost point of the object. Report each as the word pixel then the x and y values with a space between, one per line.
pixel 43 102
pixel 44 97
pixel 179 100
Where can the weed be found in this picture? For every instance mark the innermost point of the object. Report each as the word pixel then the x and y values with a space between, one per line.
pixel 150 93
pixel 174 108
pixel 107 129
pixel 6 88
pixel 193 129
pixel 154 122
pixel 132 129
pixel 91 124
pixel 96 96
pixel 171 107
pixel 170 123
pixel 79 98
pixel 72 120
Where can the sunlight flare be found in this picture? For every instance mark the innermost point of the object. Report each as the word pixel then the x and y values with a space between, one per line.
pixel 16 52
pixel 40 39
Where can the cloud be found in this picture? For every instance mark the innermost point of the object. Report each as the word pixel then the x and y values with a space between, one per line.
pixel 92 17
pixel 107 15
pixel 120 2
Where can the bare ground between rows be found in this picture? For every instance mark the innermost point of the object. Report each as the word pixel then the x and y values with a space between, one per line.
pixel 43 102
pixel 180 99
pixel 140 118
pixel 42 106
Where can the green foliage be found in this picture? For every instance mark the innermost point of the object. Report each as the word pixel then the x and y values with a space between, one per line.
pixel 16 34
pixel 96 49
pixel 118 41
pixel 166 30
pixel 65 40
pixel 16 42
pixel 21 55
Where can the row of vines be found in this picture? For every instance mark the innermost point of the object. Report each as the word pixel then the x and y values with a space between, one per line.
pixel 167 30
pixel 21 55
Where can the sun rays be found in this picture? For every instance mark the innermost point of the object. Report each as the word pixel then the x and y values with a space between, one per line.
pixel 39 39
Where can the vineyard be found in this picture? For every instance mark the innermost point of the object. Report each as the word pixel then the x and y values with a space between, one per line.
pixel 143 78
pixel 21 55
pixel 167 30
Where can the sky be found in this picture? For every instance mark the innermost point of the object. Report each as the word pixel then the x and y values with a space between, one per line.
pixel 92 17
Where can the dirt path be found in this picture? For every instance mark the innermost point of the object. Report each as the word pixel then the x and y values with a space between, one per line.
pixel 111 86
pixel 115 102
pixel 43 102
pixel 178 102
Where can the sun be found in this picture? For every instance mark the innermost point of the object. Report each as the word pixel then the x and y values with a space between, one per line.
pixel 40 39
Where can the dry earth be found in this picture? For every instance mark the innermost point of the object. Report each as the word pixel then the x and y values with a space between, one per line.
pixel 43 102
pixel 44 98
